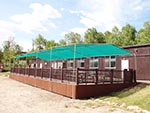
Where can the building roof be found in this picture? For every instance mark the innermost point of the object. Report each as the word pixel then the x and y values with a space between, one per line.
pixel 77 51
pixel 136 46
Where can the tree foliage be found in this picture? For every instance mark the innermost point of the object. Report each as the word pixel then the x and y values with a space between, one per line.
pixel 1 55
pixel 73 38
pixel 128 35
pixel 40 42
pixel 62 42
pixel 143 35
pixel 50 44
pixel 92 36
pixel 10 49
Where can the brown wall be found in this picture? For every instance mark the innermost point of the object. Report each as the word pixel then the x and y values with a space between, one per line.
pixel 56 87
pixel 140 61
pixel 86 91
pixel 70 90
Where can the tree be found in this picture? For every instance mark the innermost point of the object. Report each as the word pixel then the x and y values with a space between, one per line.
pixel 62 42
pixel 108 37
pixel 73 38
pixel 143 36
pixel 50 44
pixel 8 52
pixel 128 35
pixel 40 42
pixel 10 49
pixel 92 36
pixel 113 37
pixel 116 39
pixel 17 49
pixel 1 55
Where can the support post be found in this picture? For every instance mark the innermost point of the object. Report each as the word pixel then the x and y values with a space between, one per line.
pixel 77 78
pixel 124 75
pixel 42 72
pixel 51 73
pixel 96 77
pixel 62 75
pixel 134 76
pixel 111 76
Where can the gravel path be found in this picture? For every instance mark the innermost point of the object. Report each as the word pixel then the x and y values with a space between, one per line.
pixel 16 97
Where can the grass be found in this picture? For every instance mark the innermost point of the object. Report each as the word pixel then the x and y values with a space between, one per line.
pixel 5 73
pixel 138 95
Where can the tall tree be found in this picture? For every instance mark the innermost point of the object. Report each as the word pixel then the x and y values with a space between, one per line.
pixel 50 44
pixel 17 49
pixel 1 55
pixel 62 42
pixel 40 42
pixel 72 38
pixel 128 35
pixel 10 49
pixel 92 36
pixel 143 36
pixel 113 37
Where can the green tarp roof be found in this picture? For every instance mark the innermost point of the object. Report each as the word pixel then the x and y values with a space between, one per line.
pixel 77 51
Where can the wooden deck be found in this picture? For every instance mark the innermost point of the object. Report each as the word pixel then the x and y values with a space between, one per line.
pixel 78 83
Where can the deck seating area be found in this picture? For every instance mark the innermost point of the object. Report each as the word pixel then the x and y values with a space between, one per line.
pixel 79 76
pixel 77 83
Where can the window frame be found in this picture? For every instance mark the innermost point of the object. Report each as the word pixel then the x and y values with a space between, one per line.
pixel 110 60
pixel 79 63
pixel 92 61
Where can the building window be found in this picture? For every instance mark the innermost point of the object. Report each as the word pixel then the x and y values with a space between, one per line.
pixel 59 65
pixel 110 62
pixel 56 65
pixel 53 65
pixel 70 64
pixel 94 63
pixel 80 63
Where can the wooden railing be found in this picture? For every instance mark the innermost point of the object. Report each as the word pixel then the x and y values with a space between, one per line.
pixel 80 76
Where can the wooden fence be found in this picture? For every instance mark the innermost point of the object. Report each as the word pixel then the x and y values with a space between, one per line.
pixel 80 76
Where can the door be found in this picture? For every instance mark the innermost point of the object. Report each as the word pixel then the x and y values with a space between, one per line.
pixel 124 64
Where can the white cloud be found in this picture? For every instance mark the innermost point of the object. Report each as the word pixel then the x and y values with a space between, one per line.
pixel 63 33
pixel 62 9
pixel 104 14
pixel 37 19
pixel 79 30
pixel 26 44
pixel 40 19
pixel 6 30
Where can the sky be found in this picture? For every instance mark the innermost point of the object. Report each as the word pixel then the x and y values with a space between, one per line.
pixel 25 19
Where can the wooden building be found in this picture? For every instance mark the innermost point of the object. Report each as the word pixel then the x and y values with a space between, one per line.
pixel 77 71
pixel 139 61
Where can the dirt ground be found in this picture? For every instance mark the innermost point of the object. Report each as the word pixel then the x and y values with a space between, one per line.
pixel 16 97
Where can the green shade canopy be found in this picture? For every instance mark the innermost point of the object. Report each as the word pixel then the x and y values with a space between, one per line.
pixel 77 51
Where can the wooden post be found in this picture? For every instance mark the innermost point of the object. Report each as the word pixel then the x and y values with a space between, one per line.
pixel 124 75
pixel 35 71
pixel 111 76
pixel 96 77
pixel 51 73
pixel 29 72
pixel 134 76
pixel 42 72
pixel 77 81
pixel 62 75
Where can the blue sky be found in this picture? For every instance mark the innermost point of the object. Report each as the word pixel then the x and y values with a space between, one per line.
pixel 25 19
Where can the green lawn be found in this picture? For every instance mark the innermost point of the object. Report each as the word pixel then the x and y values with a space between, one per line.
pixel 138 95
pixel 5 73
